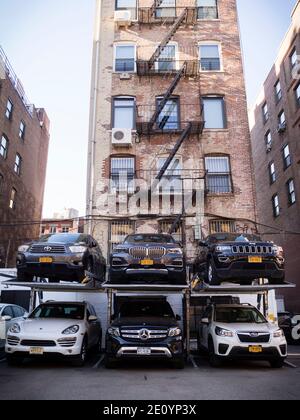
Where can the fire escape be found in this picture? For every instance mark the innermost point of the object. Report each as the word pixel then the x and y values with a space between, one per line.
pixel 163 109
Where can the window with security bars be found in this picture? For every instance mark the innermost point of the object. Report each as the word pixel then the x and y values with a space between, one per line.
pixel 119 230
pixel 122 175
pixel 207 9
pixel 222 226
pixel 218 180
pixel 165 226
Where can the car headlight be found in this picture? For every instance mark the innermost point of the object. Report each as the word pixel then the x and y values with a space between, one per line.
pixel 223 248
pixel 279 334
pixel 175 332
pixel 78 249
pixel 71 330
pixel 115 332
pixel 175 251
pixel 120 251
pixel 221 332
pixel 23 248
pixel 15 329
pixel 278 250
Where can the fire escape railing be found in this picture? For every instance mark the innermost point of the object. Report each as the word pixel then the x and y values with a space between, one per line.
pixel 151 15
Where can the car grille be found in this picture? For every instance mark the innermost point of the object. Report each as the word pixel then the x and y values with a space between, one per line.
pixel 65 342
pixel 252 249
pixel 13 341
pixel 38 343
pixel 144 334
pixel 253 337
pixel 143 252
pixel 47 249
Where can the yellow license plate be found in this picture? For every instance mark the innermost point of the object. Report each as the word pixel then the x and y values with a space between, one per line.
pixel 255 349
pixel 36 351
pixel 147 262
pixel 255 260
pixel 46 260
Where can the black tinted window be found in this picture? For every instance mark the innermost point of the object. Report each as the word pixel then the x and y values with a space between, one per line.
pixel 63 238
pixel 231 237
pixel 59 312
pixel 146 309
pixel 159 239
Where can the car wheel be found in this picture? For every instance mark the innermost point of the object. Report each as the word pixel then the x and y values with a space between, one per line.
pixel 277 364
pixel 214 360
pixel 179 363
pixel 81 359
pixel 14 361
pixel 98 347
pixel 212 276
pixel 109 362
pixel 27 278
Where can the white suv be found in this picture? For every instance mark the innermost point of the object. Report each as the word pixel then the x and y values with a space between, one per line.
pixel 67 329
pixel 240 332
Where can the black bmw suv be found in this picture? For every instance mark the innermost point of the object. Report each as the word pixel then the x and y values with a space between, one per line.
pixel 148 258
pixel 240 259
pixel 145 329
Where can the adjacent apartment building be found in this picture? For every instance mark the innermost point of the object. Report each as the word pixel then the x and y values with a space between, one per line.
pixel 169 141
pixel 275 133
pixel 24 140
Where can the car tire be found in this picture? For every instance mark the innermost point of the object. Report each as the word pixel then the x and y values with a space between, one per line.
pixel 14 361
pixel 277 364
pixel 211 274
pixel 25 277
pixel 98 347
pixel 109 362
pixel 179 363
pixel 214 360
pixel 80 360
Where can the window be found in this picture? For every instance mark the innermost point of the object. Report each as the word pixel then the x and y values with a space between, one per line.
pixel 287 160
pixel 124 113
pixel 8 311
pixel 278 91
pixel 281 118
pixel 53 229
pixel 272 172
pixel 9 109
pixel 130 5
pixel 4 147
pixel 65 229
pixel 22 130
pixel 207 9
pixel 297 95
pixel 269 141
pixel 166 9
pixel 214 113
pixel 169 117
pixel 119 230
pixel 167 59
pixel 291 192
pixel 122 174
pixel 265 112
pixel 221 226
pixel 210 57
pixel 18 163
pixel 276 206
pixel 171 181
pixel 293 59
pixel 12 201
pixel 218 175
pixel 125 56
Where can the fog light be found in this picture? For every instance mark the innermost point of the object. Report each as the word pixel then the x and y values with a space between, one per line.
pixel 70 351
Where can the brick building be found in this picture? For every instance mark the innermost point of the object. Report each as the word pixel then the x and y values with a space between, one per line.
pixel 24 139
pixel 168 113
pixel 51 226
pixel 275 122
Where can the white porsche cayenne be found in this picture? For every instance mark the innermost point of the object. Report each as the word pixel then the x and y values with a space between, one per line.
pixel 65 329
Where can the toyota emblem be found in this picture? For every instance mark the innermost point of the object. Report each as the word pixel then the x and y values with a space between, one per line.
pixel 144 335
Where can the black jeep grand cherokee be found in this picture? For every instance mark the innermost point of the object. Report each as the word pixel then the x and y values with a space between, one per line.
pixel 145 329
pixel 148 258
pixel 239 258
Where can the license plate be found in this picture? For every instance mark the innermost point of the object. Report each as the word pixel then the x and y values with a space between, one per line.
pixel 147 262
pixel 144 351
pixel 255 260
pixel 36 351
pixel 46 260
pixel 255 349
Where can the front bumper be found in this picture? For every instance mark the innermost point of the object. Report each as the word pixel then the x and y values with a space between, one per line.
pixel 155 273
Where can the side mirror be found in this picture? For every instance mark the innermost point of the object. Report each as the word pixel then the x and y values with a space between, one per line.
pixel 178 318
pixel 93 318
pixel 5 318
pixel 205 321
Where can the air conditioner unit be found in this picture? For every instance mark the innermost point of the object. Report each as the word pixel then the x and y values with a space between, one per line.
pixel 281 128
pixel 122 137
pixel 123 17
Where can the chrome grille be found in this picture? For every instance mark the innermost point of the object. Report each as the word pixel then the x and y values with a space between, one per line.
pixel 137 334
pixel 254 337
pixel 157 252
pixel 47 249
pixel 252 249
pixel 138 252
pixel 13 341
pixel 143 252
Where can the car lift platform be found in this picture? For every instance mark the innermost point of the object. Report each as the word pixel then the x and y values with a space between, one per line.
pixel 231 288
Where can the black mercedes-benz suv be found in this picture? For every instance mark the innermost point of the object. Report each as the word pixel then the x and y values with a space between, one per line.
pixel 240 259
pixel 153 258
pixel 145 329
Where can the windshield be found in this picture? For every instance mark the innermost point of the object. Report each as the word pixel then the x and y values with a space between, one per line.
pixel 159 239
pixel 239 316
pixel 58 312
pixel 146 309
pixel 63 238
pixel 233 237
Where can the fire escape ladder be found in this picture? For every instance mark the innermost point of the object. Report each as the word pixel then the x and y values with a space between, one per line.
pixel 167 38
pixel 167 96
pixel 177 146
